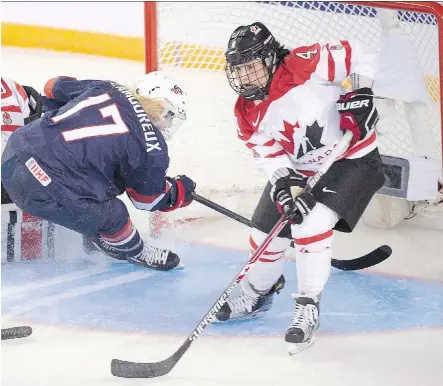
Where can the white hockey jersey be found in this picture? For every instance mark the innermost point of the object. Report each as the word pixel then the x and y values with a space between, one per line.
pixel 298 125
pixel 15 108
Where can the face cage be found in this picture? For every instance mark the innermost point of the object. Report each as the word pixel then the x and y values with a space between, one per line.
pixel 258 93
pixel 172 119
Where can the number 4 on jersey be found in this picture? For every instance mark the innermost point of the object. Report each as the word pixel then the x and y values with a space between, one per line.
pixel 306 55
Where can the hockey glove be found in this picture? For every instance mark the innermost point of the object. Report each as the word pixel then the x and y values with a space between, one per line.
pixel 35 104
pixel 286 193
pixel 357 113
pixel 181 191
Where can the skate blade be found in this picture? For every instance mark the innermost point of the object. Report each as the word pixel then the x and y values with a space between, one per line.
pixel 245 318
pixel 179 267
pixel 295 348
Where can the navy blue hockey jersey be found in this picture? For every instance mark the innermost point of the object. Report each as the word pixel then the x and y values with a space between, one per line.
pixel 94 142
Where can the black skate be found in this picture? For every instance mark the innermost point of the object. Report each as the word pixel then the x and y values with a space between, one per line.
pixel 305 321
pixel 250 304
pixel 150 256
pixel 156 258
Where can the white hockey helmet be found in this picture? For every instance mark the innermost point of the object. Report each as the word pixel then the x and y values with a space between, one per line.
pixel 156 85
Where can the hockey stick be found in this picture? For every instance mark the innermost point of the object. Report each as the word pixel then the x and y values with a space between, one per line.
pixel 16 332
pixel 369 260
pixel 126 369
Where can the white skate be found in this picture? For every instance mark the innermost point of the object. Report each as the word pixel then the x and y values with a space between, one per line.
pixel 305 321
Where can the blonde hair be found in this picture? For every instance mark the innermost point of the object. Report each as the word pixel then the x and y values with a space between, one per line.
pixel 153 107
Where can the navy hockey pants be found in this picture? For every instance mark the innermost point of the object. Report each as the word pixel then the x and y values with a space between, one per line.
pixel 85 216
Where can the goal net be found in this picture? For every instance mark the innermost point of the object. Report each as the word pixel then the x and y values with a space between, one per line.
pixel 187 40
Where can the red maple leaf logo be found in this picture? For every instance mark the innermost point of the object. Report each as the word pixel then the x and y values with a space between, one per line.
pixel 288 134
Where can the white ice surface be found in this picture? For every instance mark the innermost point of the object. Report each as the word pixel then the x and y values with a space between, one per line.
pixel 72 356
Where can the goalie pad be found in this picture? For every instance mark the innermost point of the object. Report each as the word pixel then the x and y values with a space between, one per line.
pixel 407 181
pixel 413 178
pixel 25 237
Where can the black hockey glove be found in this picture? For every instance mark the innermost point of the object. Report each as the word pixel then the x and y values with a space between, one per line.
pixel 286 193
pixel 357 113
pixel 35 104
pixel 180 192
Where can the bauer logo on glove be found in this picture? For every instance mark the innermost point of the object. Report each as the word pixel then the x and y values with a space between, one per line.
pixel 357 113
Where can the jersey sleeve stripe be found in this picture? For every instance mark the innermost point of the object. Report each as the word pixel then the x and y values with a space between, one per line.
pixel 348 51
pixel 141 197
pixel 331 65
pixel 273 155
pixel 6 92
pixel 22 92
pixel 12 109
pixel 10 127
pixel 269 143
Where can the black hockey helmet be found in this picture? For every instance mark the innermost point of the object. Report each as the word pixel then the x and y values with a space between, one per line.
pixel 247 44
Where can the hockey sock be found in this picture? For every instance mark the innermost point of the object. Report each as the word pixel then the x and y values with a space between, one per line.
pixel 266 271
pixel 126 242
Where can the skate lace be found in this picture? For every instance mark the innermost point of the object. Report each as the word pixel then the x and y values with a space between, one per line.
pixel 152 254
pixel 304 316
pixel 242 303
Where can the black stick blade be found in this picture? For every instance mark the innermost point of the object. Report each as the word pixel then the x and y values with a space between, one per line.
pixel 16 332
pixel 125 369
pixel 373 258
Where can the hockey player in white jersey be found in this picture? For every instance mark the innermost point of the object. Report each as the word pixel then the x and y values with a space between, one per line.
pixel 291 112
pixel 20 105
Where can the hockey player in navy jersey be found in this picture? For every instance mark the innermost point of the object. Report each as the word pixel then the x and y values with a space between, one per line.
pixel 97 140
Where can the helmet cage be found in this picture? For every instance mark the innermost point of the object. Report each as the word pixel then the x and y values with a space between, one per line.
pixel 171 119
pixel 266 52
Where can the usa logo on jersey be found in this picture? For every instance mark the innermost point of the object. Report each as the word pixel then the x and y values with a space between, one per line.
pixel 177 90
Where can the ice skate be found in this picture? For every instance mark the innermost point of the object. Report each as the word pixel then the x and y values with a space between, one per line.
pixel 157 258
pixel 150 256
pixel 93 245
pixel 250 304
pixel 305 321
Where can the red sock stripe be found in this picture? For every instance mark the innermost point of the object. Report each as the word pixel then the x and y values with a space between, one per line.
pixel 124 233
pixel 313 239
pixel 254 246
pixel 263 260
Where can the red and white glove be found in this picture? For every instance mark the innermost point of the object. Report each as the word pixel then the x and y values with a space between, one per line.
pixel 357 113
